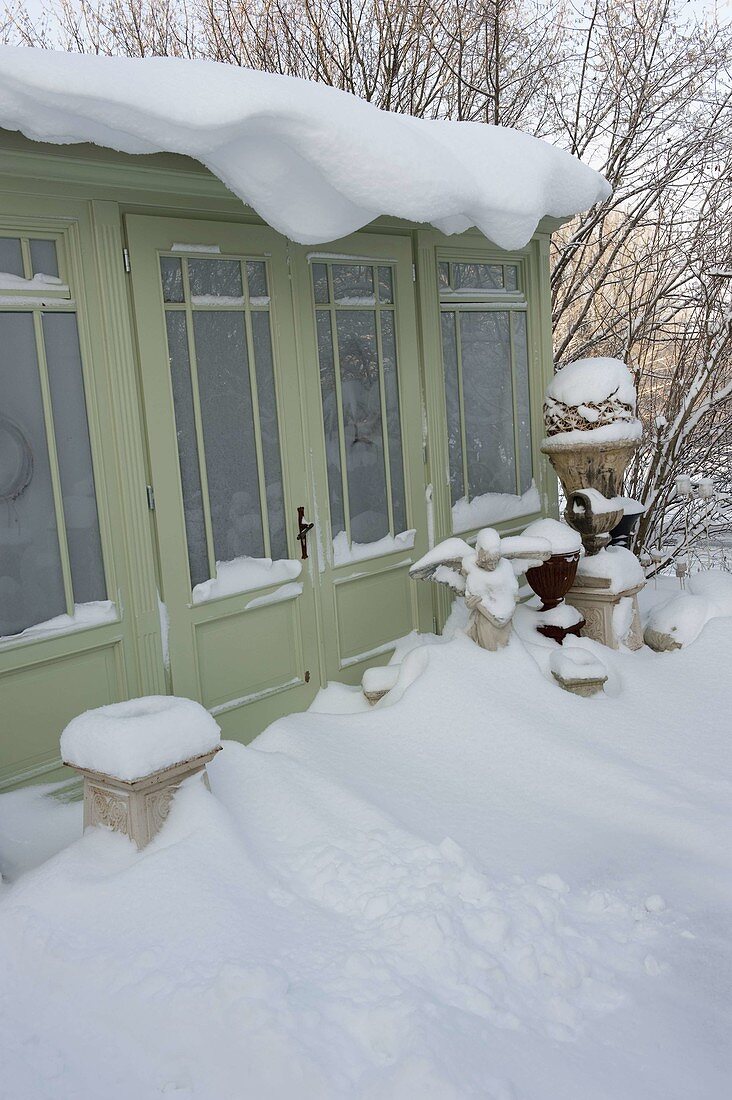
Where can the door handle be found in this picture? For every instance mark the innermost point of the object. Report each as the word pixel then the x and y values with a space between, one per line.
pixel 302 531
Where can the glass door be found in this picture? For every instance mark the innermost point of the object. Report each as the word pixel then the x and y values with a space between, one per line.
pixel 364 392
pixel 219 378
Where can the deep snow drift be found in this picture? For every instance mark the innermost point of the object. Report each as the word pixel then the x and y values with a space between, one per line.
pixel 489 889
pixel 316 163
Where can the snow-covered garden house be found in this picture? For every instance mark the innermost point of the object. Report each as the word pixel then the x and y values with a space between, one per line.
pixel 261 345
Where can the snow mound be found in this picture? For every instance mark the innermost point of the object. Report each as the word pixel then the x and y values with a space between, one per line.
pixel 140 736
pixel 615 564
pixel 573 663
pixel 678 621
pixel 458 896
pixel 316 163
pixel 562 538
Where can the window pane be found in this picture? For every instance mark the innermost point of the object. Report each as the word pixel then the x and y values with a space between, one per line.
pixel 363 438
pixel 320 283
pixel 452 403
pixel 71 428
pixel 228 434
pixel 330 420
pixel 215 281
pixel 443 275
pixel 180 372
pixel 523 403
pixel 270 433
pixel 467 277
pixel 510 275
pixel 353 283
pixel 488 402
pixel 43 257
pixel 172 277
pixel 31 581
pixel 11 257
pixel 257 278
pixel 393 421
pixel 386 289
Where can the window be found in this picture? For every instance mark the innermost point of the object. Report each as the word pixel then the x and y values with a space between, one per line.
pixel 50 546
pixel 355 316
pixel 486 374
pixel 217 315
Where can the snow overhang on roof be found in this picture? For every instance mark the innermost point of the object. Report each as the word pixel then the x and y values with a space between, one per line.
pixel 314 162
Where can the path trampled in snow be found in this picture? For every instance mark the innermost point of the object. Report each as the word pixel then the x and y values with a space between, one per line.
pixel 489 889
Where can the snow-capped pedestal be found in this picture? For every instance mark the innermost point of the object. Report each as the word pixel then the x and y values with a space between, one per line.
pixel 578 671
pixel 133 757
pixel 592 433
pixel 605 592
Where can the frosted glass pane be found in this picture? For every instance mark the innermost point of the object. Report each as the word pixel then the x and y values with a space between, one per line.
pixel 43 257
pixel 523 403
pixel 443 275
pixel 488 402
pixel 31 581
pixel 393 421
pixel 11 257
pixel 257 278
pixel 215 279
pixel 363 438
pixel 270 433
pixel 452 404
pixel 71 429
pixel 510 275
pixel 386 288
pixel 330 420
pixel 228 434
pixel 353 281
pixel 320 283
pixel 185 426
pixel 172 277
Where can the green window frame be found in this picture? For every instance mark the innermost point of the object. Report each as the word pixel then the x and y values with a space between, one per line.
pixel 248 299
pixel 51 524
pixel 485 359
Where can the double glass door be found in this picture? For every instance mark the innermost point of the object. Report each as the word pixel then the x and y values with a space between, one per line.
pixel 274 387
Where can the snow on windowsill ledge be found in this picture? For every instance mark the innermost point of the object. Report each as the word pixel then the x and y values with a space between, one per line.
pixel 86 615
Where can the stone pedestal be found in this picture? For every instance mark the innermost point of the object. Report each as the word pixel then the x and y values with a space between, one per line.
pixel 607 619
pixel 139 807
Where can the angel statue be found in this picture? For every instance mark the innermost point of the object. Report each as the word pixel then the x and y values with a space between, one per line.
pixel 486 576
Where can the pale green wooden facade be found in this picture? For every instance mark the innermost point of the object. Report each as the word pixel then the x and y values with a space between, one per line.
pixel 248 659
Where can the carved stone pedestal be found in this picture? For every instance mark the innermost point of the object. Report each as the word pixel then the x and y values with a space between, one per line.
pixel 611 618
pixel 137 808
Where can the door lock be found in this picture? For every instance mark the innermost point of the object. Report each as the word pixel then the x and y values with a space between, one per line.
pixel 302 531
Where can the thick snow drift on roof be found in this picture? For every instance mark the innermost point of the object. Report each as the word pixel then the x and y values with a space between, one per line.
pixel 316 163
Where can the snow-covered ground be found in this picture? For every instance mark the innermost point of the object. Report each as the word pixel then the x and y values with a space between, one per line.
pixel 490 888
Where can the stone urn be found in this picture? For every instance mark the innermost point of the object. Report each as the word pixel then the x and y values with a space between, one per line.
pixel 553 579
pixel 593 516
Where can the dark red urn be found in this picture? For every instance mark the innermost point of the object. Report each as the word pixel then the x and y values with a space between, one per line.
pixel 553 579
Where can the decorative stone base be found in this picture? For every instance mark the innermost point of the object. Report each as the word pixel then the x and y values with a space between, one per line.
pixel 661 642
pixel 607 619
pixel 583 686
pixel 137 808
pixel 373 697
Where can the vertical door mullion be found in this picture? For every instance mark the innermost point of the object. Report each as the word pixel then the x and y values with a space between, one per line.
pixel 461 403
pixel 382 396
pixel 516 438
pixel 339 406
pixel 261 479
pixel 198 420
pixel 58 502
